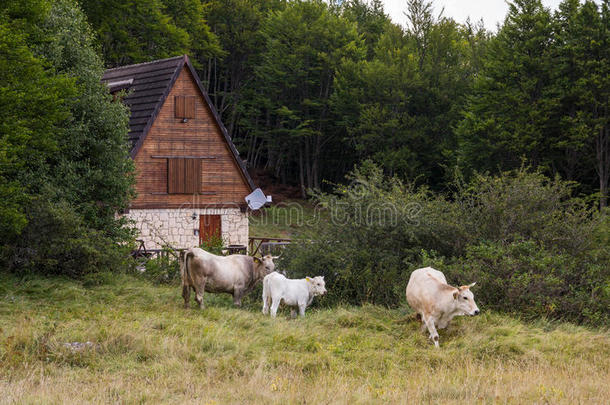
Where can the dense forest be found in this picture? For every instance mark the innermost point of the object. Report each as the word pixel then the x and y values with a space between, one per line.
pixel 307 89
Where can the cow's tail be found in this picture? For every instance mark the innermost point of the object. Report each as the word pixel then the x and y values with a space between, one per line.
pixel 184 267
pixel 181 257
pixel 186 276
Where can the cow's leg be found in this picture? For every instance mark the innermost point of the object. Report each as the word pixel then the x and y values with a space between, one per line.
pixel 424 327
pixel 442 324
pixel 266 302
pixel 293 313
pixel 432 329
pixel 237 296
pixel 274 306
pixel 199 293
pixel 302 309
pixel 186 294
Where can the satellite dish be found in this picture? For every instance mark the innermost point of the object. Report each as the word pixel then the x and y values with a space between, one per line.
pixel 256 199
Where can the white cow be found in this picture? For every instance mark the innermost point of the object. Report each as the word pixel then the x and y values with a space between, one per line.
pixel 436 302
pixel 294 293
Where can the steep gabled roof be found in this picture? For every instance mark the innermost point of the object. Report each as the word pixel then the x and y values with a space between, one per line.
pixel 148 86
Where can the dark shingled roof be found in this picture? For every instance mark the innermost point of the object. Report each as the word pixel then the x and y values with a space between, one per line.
pixel 148 85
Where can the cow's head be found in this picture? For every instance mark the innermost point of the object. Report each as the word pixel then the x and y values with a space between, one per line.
pixel 317 286
pixel 265 265
pixel 464 300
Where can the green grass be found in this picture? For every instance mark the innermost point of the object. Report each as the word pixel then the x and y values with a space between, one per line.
pixel 283 220
pixel 148 349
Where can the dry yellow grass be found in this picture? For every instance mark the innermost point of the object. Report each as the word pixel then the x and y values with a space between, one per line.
pixel 147 349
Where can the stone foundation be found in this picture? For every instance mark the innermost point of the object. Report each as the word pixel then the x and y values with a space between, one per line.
pixel 176 227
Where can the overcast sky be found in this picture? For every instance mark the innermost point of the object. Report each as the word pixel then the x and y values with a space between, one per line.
pixel 491 11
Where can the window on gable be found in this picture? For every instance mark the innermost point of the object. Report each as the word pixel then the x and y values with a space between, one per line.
pixel 183 175
pixel 184 107
pixel 115 88
pixel 119 85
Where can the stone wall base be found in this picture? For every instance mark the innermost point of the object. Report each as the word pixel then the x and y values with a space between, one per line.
pixel 176 228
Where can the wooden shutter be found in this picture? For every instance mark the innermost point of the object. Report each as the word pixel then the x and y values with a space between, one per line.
pixel 183 176
pixel 193 176
pixel 189 107
pixel 184 107
pixel 175 176
pixel 179 106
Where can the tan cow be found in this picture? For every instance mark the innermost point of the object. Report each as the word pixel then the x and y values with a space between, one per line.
pixel 234 274
pixel 436 302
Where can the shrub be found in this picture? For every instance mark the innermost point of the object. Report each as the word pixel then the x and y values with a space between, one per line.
pixel 375 230
pixel 58 242
pixel 214 244
pixel 64 173
pixel 531 246
pixel 524 278
pixel 520 205
pixel 162 269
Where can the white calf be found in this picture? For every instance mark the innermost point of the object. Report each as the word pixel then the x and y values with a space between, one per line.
pixel 294 293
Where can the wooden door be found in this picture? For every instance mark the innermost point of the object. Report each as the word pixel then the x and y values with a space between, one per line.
pixel 209 226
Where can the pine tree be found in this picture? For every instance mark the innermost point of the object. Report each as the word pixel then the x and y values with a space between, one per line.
pixel 509 115
pixel 581 51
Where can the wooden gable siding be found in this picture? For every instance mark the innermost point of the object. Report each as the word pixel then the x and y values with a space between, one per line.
pixel 221 181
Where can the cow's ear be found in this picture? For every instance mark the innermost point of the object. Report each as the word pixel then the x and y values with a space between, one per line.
pixel 455 294
pixel 256 259
pixel 308 279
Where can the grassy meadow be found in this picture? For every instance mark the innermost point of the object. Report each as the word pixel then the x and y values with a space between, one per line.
pixel 284 220
pixel 145 348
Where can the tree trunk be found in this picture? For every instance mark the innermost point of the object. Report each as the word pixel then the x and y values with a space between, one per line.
pixel 209 75
pixel 602 146
pixel 215 82
pixel 301 178
pixel 316 161
pixel 233 118
pixel 308 165
pixel 223 98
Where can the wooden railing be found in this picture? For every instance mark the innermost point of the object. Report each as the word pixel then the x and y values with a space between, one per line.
pixel 143 252
pixel 256 244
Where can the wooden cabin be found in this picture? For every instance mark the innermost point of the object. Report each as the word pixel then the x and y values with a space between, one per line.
pixel 191 183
